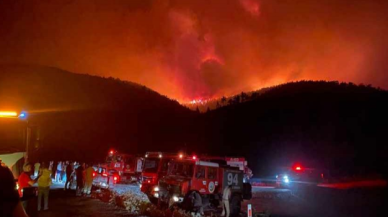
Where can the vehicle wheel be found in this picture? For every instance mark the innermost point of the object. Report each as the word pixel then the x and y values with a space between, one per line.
pixel 161 204
pixel 235 205
pixel 153 200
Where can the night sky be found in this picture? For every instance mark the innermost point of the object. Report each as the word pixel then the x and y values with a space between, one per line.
pixel 193 49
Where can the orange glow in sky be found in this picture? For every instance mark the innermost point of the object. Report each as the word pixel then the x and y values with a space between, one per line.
pixel 201 49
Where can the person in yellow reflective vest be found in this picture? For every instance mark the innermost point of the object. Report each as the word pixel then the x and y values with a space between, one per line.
pixel 88 179
pixel 44 183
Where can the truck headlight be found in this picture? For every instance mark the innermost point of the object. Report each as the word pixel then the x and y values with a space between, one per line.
pixel 156 188
pixel 175 198
pixel 285 179
pixel 156 195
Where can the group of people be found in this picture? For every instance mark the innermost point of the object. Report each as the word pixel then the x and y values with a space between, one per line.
pixel 68 172
pixel 43 175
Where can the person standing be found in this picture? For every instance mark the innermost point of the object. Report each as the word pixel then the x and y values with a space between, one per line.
pixel 58 177
pixel 69 176
pixel 25 180
pixel 44 183
pixel 36 169
pixel 10 204
pixel 54 170
pixel 225 201
pixel 88 179
pixel 79 172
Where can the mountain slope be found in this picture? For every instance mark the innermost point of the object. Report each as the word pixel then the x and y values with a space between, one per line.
pixel 92 113
pixel 336 125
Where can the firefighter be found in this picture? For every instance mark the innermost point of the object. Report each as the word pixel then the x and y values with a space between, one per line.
pixel 225 201
pixel 88 179
pixel 197 203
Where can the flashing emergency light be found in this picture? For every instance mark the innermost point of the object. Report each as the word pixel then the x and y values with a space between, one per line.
pixel 160 155
pixel 115 178
pixel 146 155
pixel 194 157
pixel 111 151
pixel 298 168
pixel 23 115
pixel 181 156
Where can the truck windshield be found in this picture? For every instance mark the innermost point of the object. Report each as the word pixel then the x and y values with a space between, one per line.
pixel 181 169
pixel 151 165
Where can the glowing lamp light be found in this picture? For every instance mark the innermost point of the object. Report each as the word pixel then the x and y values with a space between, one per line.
pixel 115 178
pixel 8 114
pixel 181 156
pixel 298 168
pixel 111 152
pixel 160 156
pixel 194 157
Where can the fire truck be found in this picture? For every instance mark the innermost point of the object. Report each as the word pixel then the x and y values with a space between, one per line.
pixel 203 178
pixel 155 166
pixel 128 167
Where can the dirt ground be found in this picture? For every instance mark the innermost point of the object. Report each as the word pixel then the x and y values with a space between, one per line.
pixel 63 204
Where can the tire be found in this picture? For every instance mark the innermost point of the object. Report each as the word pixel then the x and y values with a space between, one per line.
pixel 152 199
pixel 162 205
pixel 235 205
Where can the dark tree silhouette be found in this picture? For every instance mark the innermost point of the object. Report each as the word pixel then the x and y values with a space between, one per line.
pixel 223 100
pixel 243 96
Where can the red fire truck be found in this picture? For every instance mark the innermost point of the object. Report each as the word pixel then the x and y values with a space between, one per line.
pixel 187 177
pixel 155 166
pixel 129 167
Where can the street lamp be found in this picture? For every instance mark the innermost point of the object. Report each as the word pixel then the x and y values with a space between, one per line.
pixel 8 114
pixel 13 114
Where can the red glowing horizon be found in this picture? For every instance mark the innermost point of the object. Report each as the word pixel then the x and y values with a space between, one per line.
pixel 195 50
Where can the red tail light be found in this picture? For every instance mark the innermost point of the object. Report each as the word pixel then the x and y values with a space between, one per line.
pixel 298 168
pixel 115 179
pixel 94 174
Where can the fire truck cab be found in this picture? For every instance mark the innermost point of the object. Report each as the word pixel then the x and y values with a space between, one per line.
pixel 206 179
pixel 128 166
pixel 155 167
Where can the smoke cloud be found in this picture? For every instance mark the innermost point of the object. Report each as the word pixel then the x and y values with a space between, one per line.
pixel 192 49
